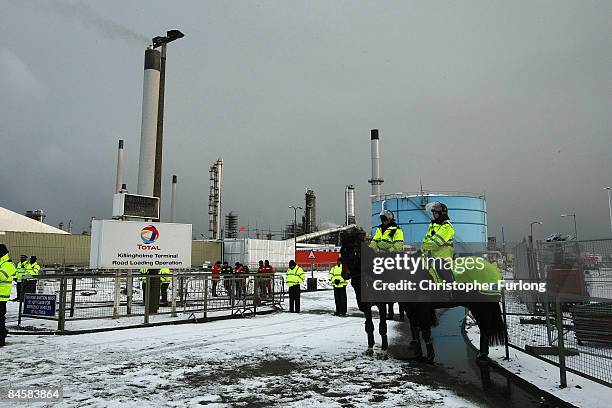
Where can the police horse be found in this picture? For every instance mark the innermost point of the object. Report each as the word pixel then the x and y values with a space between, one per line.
pixel 421 315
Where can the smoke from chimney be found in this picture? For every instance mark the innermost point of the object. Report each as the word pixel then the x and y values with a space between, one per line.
pixel 90 19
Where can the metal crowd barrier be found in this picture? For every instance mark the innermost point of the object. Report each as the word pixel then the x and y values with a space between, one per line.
pixel 85 295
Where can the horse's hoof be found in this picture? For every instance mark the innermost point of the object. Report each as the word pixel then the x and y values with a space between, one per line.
pixel 430 354
pixel 383 355
pixel 369 352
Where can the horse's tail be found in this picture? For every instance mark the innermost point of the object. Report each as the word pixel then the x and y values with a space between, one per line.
pixel 488 315
pixel 498 331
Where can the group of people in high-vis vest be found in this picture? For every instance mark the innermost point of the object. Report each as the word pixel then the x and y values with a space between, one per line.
pixel 295 276
pixel 25 275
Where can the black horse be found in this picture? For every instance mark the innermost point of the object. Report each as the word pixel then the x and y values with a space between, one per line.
pixel 421 315
pixel 350 254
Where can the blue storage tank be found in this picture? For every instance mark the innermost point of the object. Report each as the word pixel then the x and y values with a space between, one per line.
pixel 467 212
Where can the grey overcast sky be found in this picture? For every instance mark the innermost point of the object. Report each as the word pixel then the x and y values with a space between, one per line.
pixel 509 98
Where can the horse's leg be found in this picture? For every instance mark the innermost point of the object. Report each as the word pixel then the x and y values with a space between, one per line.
pixel 415 344
pixel 425 315
pixel 369 328
pixel 428 339
pixel 484 347
pixel 382 329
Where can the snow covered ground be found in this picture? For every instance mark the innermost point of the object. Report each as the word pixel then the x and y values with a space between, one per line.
pixel 307 359
pixel 579 392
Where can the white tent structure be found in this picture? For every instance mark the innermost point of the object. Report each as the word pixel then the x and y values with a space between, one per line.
pixel 12 221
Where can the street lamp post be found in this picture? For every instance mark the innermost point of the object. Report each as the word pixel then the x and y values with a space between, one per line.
pixel 162 42
pixel 532 262
pixel 531 229
pixel 609 207
pixel 575 228
pixel 295 208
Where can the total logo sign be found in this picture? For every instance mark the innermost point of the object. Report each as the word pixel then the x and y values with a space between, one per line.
pixel 148 235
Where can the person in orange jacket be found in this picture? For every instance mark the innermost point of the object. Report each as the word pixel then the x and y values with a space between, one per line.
pixel 216 277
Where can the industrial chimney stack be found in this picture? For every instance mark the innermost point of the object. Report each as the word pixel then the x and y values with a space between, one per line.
pixel 349 205
pixel 119 181
pixel 310 213
pixel 148 132
pixel 173 202
pixel 376 180
pixel 214 200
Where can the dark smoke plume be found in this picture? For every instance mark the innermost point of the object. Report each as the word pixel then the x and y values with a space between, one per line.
pixel 90 19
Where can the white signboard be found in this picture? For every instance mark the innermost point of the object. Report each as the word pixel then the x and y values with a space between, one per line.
pixel 134 245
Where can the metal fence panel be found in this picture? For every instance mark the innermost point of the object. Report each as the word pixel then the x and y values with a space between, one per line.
pixel 570 325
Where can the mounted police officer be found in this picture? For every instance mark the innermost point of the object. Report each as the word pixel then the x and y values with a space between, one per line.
pixel 437 245
pixel 388 238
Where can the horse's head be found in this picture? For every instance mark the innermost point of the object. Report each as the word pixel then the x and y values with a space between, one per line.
pixel 350 252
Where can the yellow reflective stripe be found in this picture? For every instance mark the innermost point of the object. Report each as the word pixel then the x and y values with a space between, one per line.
pixel 438 240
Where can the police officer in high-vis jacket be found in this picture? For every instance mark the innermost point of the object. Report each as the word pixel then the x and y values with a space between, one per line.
pixel 388 238
pixel 7 274
pixel 165 277
pixel 22 268
pixel 294 278
pixel 30 278
pixel 438 242
pixel 339 284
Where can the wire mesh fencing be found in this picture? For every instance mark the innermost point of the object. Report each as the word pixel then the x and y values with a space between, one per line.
pixel 569 324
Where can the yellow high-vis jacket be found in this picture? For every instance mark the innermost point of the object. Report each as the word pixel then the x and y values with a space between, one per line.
pixel 294 276
pixel 335 277
pixel 438 241
pixel 164 275
pixel 7 274
pixel 22 269
pixel 392 240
